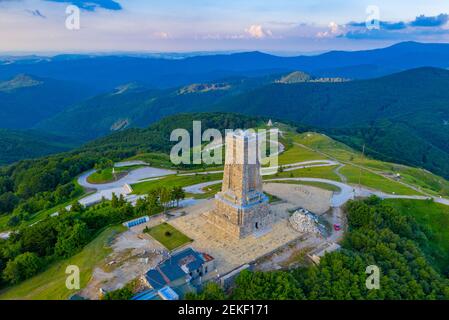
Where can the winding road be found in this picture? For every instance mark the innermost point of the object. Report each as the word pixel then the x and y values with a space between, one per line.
pixel 123 186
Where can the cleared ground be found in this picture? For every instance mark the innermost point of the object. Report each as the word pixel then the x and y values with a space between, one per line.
pixel 132 255
pixel 314 199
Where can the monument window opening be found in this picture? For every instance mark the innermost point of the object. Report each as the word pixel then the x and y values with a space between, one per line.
pixel 257 225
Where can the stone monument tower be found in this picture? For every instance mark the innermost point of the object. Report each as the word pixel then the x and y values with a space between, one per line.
pixel 241 208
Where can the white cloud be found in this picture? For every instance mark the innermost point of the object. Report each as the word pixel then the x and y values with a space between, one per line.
pixel 257 31
pixel 333 30
pixel 161 35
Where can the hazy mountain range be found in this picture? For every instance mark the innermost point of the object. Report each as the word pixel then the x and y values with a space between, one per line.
pixel 106 72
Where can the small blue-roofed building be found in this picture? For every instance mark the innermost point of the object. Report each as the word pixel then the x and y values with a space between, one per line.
pixel 182 271
pixel 136 222
pixel 165 293
pixel 168 293
pixel 147 295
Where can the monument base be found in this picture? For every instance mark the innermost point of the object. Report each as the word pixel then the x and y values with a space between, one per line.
pixel 241 221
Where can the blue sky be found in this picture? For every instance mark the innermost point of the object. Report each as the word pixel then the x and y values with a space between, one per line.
pixel 216 25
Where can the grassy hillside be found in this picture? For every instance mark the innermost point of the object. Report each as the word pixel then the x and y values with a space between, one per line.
pixel 174 181
pixel 107 175
pixel 419 178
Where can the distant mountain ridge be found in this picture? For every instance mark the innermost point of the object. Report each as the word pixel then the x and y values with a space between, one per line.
pixel 106 72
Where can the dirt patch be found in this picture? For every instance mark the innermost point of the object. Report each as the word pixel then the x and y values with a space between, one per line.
pixel 133 255
pixel 311 198
pixel 290 256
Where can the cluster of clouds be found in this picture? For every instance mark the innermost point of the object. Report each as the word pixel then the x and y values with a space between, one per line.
pixel 258 32
pixel 333 30
pixel 421 26
pixel 110 24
